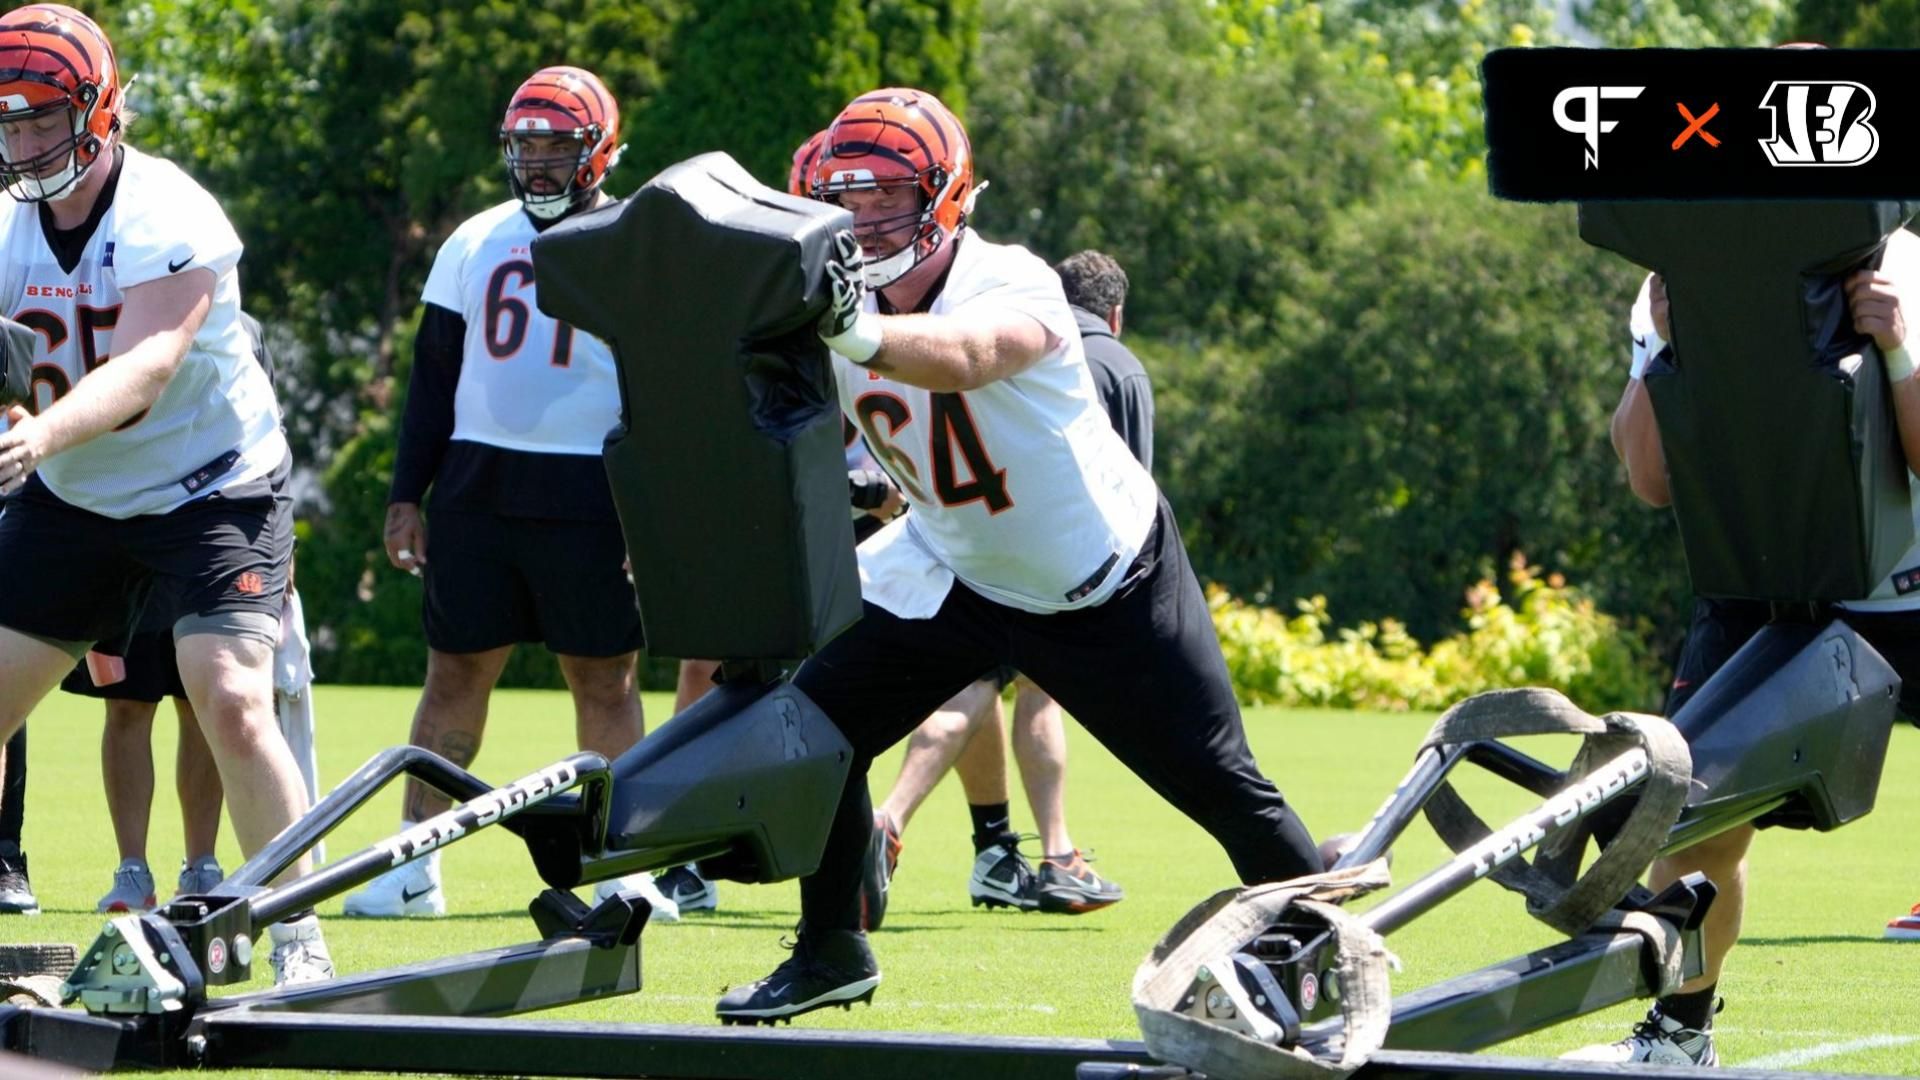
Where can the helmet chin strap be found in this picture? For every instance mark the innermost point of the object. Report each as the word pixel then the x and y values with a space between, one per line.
pixel 548 207
pixel 881 273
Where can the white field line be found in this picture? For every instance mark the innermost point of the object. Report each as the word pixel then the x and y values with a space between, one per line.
pixel 1794 1059
pixel 933 1006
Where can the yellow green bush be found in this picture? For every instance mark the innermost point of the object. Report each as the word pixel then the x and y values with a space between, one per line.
pixel 1540 632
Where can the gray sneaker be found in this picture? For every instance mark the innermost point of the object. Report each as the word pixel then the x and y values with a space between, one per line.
pixel 1657 1040
pixel 1002 877
pixel 132 889
pixel 199 876
pixel 299 952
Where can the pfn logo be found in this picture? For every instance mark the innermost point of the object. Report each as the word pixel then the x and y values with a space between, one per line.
pixel 1588 124
pixel 1820 123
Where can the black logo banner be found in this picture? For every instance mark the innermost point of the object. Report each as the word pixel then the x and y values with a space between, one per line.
pixel 1795 123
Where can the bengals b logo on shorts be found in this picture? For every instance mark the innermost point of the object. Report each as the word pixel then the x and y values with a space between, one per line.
pixel 250 583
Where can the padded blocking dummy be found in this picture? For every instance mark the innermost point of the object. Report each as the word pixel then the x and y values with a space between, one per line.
pixel 728 469
pixel 1796 722
pixel 745 779
pixel 1782 455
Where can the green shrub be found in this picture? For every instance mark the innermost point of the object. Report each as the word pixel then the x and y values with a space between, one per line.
pixel 1544 632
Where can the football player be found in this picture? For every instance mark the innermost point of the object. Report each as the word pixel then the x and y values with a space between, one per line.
pixel 506 413
pixel 1035 537
pixel 1678 1030
pixel 161 472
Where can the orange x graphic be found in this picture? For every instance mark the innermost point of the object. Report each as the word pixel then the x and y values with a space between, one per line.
pixel 1697 125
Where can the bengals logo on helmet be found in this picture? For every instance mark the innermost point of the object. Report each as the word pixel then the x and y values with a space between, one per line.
pixel 561 120
pixel 805 156
pixel 901 137
pixel 54 62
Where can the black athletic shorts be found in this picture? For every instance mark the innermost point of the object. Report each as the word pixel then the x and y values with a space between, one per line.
pixel 153 671
pixel 80 577
pixel 495 581
pixel 1721 627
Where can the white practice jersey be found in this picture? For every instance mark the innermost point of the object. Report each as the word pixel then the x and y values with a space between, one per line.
pixel 1900 589
pixel 216 423
pixel 527 380
pixel 1020 488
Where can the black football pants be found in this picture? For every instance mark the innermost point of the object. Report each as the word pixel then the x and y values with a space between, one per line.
pixel 1142 672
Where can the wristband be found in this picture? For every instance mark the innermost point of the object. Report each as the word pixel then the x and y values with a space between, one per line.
pixel 860 342
pixel 1899 363
pixel 1644 350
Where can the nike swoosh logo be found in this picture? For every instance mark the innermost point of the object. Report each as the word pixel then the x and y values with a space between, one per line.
pixel 409 897
pixel 174 267
pixel 1639 343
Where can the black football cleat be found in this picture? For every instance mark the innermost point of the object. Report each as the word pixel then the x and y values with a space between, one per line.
pixel 830 967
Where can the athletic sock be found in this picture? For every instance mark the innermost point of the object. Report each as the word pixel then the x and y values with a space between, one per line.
pixel 13 789
pixel 990 824
pixel 1693 1010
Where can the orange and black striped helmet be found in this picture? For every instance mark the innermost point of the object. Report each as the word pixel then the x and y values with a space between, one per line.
pixel 54 63
pixel 894 138
pixel 568 102
pixel 800 177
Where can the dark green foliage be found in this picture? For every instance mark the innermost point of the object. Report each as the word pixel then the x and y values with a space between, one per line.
pixel 1375 383
pixel 1447 408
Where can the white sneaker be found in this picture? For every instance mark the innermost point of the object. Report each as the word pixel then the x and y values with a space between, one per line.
pixel 1657 1040
pixel 200 876
pixel 406 890
pixel 132 889
pixel 299 952
pixel 664 910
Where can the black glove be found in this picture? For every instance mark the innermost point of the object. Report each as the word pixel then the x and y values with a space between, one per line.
pixel 845 328
pixel 17 344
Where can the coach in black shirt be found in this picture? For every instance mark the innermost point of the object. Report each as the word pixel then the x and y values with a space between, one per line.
pixel 1097 289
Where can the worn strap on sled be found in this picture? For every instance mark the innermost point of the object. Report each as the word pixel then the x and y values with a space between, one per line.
pixel 1557 893
pixel 1224 924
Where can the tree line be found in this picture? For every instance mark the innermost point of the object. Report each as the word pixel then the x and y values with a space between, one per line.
pixel 1376 382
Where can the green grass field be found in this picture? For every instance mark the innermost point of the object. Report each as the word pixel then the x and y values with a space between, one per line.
pixel 1813 986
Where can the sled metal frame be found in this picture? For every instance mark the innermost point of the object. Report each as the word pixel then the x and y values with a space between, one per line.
pixel 443 1015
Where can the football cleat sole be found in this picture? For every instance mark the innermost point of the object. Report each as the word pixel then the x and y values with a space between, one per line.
pixel 845 997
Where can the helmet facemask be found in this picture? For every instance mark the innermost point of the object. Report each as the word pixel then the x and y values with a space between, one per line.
pixel 27 178
pixel 928 234
pixel 528 163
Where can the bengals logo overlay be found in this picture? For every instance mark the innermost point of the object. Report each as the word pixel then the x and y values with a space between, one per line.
pixel 1820 123
pixel 1580 125
pixel 249 583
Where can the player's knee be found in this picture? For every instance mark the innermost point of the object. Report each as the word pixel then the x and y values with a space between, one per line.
pixel 943 727
pixel 453 678
pixel 600 682
pixel 121 712
pixel 238 724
